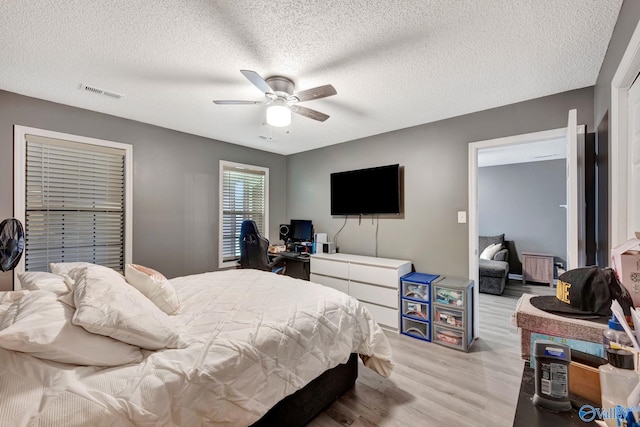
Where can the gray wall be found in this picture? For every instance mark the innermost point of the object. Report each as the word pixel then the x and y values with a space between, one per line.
pixel 434 157
pixel 175 183
pixel 523 202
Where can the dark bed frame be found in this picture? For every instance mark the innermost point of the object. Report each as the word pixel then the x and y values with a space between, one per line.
pixel 303 405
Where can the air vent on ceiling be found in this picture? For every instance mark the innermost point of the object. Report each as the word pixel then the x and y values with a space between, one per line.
pixel 99 91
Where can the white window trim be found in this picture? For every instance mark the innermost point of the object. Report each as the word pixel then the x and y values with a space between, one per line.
pixel 223 163
pixel 19 174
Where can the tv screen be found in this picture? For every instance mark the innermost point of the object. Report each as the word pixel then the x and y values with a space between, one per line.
pixel 366 191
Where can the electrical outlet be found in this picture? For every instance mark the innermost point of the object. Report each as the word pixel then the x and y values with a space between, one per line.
pixel 462 217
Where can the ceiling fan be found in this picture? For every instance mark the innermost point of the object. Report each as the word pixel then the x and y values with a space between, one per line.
pixel 279 95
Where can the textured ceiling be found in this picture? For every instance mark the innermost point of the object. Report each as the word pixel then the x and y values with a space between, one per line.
pixel 394 63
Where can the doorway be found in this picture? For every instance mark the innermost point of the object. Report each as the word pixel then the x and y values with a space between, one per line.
pixel 575 226
pixel 522 195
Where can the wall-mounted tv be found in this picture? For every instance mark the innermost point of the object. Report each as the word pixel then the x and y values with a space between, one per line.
pixel 369 191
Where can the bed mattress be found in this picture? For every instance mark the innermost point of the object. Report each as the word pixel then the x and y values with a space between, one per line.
pixel 252 338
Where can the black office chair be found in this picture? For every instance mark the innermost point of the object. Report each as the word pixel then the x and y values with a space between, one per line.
pixel 254 250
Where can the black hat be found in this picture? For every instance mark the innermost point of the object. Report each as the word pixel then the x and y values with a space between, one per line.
pixel 586 293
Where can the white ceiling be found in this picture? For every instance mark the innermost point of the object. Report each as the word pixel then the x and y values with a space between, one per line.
pixel 394 64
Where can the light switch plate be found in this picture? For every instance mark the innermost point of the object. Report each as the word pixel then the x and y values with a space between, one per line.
pixel 462 217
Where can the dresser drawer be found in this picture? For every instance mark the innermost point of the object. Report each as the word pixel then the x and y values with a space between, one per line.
pixel 330 268
pixel 376 294
pixel 386 317
pixel 341 285
pixel 377 275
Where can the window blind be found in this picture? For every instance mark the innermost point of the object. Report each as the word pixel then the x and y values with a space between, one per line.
pixel 74 203
pixel 243 197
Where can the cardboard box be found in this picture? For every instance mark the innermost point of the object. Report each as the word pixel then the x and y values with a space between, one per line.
pixel 626 261
pixel 630 274
pixel 584 381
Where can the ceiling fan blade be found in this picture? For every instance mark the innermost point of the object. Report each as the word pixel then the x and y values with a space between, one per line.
pixel 257 81
pixel 316 93
pixel 308 112
pixel 230 102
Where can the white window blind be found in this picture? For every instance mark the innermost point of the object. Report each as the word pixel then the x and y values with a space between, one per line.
pixel 74 203
pixel 244 196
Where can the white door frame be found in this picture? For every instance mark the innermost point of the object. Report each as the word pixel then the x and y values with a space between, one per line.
pixel 576 206
pixel 619 226
pixel 473 199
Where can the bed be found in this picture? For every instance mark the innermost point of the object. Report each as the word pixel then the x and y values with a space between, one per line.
pixel 241 341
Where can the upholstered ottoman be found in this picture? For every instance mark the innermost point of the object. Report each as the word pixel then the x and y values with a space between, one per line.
pixel 493 276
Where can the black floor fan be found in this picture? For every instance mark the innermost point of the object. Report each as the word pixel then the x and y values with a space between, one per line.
pixel 11 243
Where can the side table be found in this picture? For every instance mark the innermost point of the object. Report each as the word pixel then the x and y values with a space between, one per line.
pixel 537 267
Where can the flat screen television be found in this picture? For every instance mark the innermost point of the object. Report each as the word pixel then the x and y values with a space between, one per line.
pixel 369 191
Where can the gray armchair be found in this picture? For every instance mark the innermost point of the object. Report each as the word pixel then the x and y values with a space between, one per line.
pixel 493 273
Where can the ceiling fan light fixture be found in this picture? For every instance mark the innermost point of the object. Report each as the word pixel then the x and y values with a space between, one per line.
pixel 281 100
pixel 278 115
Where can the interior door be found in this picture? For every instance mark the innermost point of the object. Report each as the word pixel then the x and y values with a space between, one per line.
pixel 602 192
pixel 576 253
pixel 633 216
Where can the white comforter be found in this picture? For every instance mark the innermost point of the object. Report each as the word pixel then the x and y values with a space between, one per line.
pixel 253 337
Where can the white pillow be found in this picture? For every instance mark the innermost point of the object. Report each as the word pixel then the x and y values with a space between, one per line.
pixel 66 267
pixel 154 286
pixel 42 280
pixel 490 251
pixel 40 325
pixel 107 305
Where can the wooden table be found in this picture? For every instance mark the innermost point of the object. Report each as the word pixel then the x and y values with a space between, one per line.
pixel 537 267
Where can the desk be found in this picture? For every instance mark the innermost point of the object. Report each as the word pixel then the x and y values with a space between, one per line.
pixel 529 415
pixel 297 267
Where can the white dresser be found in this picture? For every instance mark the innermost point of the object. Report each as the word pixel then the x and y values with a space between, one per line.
pixel 373 281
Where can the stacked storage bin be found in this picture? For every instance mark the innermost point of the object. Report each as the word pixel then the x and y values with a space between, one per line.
pixel 452 313
pixel 415 305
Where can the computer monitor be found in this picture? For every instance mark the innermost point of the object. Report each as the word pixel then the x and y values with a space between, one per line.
pixel 301 230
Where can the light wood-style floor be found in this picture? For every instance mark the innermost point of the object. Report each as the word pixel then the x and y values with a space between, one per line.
pixel 433 385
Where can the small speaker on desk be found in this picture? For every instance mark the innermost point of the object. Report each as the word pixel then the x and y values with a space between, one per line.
pixel 285 229
pixel 328 247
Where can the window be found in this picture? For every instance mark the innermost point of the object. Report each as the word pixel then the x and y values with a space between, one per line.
pixel 243 195
pixel 72 195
